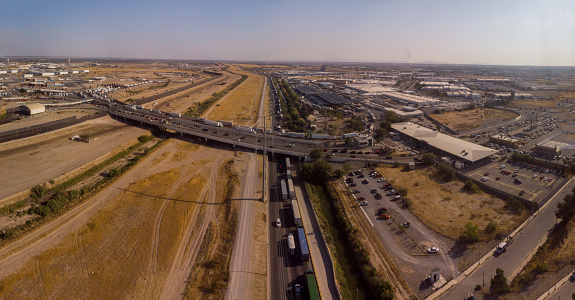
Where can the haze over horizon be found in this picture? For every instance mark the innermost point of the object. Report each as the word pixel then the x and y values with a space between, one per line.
pixel 540 33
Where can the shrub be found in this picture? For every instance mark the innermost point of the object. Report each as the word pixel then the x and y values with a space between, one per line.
pixel 445 171
pixel 470 186
pixel 542 268
pixel 428 158
pixel 470 234
pixel 491 227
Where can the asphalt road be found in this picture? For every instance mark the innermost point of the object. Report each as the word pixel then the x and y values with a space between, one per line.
pixel 523 243
pixel 564 292
pixel 284 268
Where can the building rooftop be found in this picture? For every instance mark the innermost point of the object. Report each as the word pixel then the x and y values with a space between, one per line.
pixel 454 146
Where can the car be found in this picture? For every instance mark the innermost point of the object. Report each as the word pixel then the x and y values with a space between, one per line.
pixel 353 184
pixel 406 224
pixel 361 198
pixel 380 180
pixel 432 250
pixel 356 191
pixel 497 178
pixel 516 170
pixel 378 196
pixel 521 192
pixel 364 203
pixel 373 191
pixel 395 198
pixel 502 167
pixel 534 176
pixel 388 157
pixel 365 181
pixel 573 275
pixel 297 289
pixel 517 181
pixel 392 192
pixel 352 156
pixel 486 174
pixel 360 176
pixel 388 188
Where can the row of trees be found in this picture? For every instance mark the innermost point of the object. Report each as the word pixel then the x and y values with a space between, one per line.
pixel 295 115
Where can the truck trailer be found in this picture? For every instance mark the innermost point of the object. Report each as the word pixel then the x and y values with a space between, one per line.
pixel 291 244
pixel 296 213
pixel 284 189
pixel 213 123
pixel 245 129
pixel 304 249
pixel 291 191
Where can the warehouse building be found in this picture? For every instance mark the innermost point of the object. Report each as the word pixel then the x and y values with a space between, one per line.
pixel 443 145
pixel 504 140
pixel 30 109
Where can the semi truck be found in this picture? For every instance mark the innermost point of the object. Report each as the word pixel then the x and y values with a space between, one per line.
pixel 288 163
pixel 349 135
pixel 296 213
pixel 291 190
pixel 171 114
pixel 288 174
pixel 304 249
pixel 245 129
pixel 295 134
pixel 291 244
pixel 284 189
pixel 213 123
pixel 313 292
pixel 226 123
pixel 319 136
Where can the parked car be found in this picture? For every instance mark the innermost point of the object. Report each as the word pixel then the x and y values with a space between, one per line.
pixel 356 191
pixel 406 225
pixel 364 203
pixel 361 198
pixel 432 250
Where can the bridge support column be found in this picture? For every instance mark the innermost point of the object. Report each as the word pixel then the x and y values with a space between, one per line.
pixel 181 134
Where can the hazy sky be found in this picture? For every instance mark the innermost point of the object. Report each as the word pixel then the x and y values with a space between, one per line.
pixel 514 32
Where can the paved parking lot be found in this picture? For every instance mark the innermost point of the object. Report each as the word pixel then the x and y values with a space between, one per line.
pixel 534 182
pixel 407 245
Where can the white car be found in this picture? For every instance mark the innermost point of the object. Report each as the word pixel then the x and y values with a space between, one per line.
pixel 381 180
pixel 364 203
pixel 432 250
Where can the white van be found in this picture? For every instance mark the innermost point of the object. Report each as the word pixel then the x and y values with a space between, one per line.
pixel 278 223
pixel 501 247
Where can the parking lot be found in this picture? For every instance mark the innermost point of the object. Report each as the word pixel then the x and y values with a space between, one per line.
pixel 405 237
pixel 522 180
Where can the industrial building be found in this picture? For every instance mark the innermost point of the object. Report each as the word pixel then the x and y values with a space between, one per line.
pixel 30 109
pixel 504 140
pixel 411 99
pixel 443 144
pixel 550 148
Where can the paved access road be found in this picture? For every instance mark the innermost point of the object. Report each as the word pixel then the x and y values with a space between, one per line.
pixel 524 242
pixel 564 292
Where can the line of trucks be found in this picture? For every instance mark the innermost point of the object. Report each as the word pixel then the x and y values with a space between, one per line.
pixel 221 123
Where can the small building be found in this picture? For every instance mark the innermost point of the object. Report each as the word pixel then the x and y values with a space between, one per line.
pixel 549 148
pixel 31 109
pixel 504 140
pixel 362 142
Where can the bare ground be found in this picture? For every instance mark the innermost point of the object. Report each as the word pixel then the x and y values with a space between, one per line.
pixel 469 119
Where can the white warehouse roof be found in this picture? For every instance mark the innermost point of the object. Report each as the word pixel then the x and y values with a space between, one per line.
pixel 454 146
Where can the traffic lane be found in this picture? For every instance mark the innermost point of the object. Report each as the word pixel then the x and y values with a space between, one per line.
pixel 565 291
pixel 523 243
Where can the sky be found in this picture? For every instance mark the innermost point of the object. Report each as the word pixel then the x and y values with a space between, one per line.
pixel 502 32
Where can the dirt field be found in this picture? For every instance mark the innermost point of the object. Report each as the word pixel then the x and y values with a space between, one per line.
pixel 148 223
pixel 431 201
pixel 241 105
pixel 31 161
pixel 46 117
pixel 469 119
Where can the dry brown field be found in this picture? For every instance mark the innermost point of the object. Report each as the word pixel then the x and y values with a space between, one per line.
pixel 242 104
pixel 150 228
pixel 469 119
pixel 446 208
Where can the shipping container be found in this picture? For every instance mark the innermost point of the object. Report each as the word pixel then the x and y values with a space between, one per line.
pixel 304 249
pixel 284 190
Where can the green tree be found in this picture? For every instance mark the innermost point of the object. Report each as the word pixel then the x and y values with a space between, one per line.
pixel 316 153
pixel 428 158
pixel 346 167
pixel 391 116
pixel 445 171
pixel 338 173
pixel 470 186
pixel 348 140
pixel 470 234
pixel 499 283
pixel 385 125
pixel 402 191
pixel 380 134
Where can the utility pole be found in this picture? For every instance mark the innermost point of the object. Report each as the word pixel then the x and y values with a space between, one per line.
pixel 264 164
